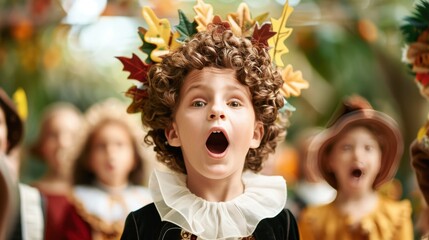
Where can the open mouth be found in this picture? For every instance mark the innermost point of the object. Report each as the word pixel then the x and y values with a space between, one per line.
pixel 217 142
pixel 357 173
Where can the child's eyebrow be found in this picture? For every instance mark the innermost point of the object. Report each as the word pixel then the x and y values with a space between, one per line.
pixel 203 87
pixel 195 86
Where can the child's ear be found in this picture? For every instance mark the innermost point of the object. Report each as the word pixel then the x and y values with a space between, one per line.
pixel 258 133
pixel 173 138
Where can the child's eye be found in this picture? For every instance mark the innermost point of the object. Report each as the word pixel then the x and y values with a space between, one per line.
pixel 368 147
pixel 198 104
pixel 99 146
pixel 234 104
pixel 346 147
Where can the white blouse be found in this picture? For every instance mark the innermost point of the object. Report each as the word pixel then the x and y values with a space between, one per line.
pixel 110 206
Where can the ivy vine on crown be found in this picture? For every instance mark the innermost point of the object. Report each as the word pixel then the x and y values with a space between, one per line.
pixel 159 39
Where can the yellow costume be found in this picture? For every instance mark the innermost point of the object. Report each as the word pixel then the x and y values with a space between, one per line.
pixel 390 220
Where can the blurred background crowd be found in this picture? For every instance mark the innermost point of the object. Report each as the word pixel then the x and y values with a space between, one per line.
pixel 64 51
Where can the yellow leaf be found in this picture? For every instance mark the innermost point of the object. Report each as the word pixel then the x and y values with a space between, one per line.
pixel 204 15
pixel 158 33
pixel 293 82
pixel 278 48
pixel 174 44
pixel 421 133
pixel 241 21
pixel 157 53
pixel 20 99
pixel 261 18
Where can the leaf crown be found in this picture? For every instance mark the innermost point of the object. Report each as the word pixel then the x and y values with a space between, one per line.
pixel 415 31
pixel 159 39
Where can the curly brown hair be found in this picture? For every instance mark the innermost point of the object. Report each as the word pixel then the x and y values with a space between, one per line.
pixel 219 48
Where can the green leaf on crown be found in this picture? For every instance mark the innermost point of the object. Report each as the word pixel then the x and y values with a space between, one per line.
pixel 146 47
pixel 185 27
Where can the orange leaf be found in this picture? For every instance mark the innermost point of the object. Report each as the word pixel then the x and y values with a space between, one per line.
pixel 293 82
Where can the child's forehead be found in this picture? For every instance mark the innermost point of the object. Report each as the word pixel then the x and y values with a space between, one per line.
pixel 210 72
pixel 200 79
pixel 354 131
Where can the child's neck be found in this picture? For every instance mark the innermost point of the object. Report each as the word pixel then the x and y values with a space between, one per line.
pixel 112 189
pixel 356 206
pixel 52 185
pixel 52 175
pixel 215 190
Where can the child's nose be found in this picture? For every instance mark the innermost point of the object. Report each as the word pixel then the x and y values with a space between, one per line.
pixel 214 116
pixel 216 113
pixel 358 154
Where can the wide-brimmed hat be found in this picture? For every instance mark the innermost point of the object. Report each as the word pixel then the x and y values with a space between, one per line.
pixel 356 111
pixel 13 121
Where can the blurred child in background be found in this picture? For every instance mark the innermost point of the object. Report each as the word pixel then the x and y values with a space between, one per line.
pixel 21 212
pixel 59 139
pixel 358 152
pixel 310 189
pixel 108 174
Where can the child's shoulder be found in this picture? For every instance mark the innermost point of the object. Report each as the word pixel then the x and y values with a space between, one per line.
pixel 146 213
pixel 318 211
pixel 396 210
pixel 317 215
pixel 282 226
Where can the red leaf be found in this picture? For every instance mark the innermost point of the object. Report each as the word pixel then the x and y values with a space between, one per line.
pixel 218 21
pixel 261 35
pixel 138 69
pixel 423 78
pixel 136 93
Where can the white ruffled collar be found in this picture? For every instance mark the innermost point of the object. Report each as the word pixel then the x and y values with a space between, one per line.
pixel 263 197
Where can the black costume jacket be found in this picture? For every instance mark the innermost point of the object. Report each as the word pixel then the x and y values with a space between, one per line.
pixel 146 224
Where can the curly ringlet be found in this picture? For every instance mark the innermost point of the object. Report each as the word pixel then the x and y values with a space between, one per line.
pixel 219 48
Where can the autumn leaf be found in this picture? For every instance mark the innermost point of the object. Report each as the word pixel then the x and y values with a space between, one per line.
pixel 221 25
pixel 159 34
pixel 293 82
pixel 137 95
pixel 261 18
pixel 21 102
pixel 147 48
pixel 422 132
pixel 241 21
pixel 204 15
pixel 261 35
pixel 138 70
pixel 277 43
pixel 185 28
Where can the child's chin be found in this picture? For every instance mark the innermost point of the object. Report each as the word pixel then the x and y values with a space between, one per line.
pixel 357 184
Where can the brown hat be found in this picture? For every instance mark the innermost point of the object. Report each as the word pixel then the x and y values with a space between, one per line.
pixel 13 121
pixel 356 111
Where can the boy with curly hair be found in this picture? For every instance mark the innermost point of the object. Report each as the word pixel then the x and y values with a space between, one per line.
pixel 214 110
